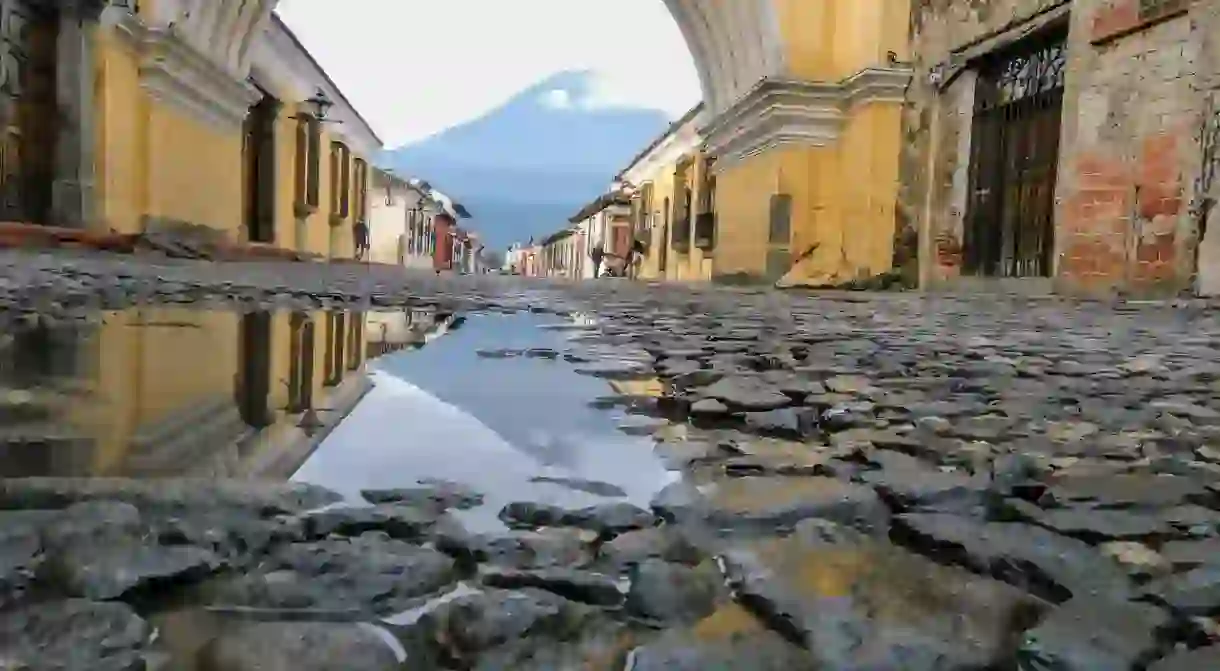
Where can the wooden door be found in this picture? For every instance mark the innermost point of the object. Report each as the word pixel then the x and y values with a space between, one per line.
pixel 28 109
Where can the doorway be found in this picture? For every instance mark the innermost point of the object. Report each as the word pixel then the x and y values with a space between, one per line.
pixel 258 151
pixel 300 370
pixel 254 381
pixel 336 337
pixel 28 110
pixel 663 252
pixel 1014 149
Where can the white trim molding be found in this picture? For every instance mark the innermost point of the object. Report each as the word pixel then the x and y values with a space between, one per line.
pixel 780 112
pixel 734 44
pixel 678 142
pixel 281 63
pixel 174 72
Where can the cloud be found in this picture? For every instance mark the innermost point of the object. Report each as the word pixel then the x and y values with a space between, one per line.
pixel 559 99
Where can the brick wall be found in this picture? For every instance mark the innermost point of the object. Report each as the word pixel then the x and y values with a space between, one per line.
pixel 936 128
pixel 1129 152
pixel 1125 180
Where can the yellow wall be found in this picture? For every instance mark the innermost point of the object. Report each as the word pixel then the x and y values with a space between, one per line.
pixel 141 377
pixel 157 162
pixel 833 39
pixel 842 225
pixel 693 264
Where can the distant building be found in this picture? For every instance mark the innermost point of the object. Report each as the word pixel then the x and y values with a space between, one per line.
pixel 400 218
pixel 606 223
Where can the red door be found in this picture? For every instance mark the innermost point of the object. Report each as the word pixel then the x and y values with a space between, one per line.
pixel 442 252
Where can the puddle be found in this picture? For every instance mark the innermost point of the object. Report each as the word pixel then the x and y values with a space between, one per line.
pixel 513 428
pixel 165 391
pixel 159 392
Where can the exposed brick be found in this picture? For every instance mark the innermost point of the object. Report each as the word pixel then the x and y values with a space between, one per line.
pixel 1122 17
pixel 1115 18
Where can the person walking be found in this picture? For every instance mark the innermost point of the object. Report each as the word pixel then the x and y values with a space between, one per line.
pixel 361 233
pixel 597 255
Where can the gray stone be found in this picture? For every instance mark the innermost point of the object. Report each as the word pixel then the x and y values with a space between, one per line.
pixel 439 493
pixel 583 586
pixel 74 635
pixel 674 594
pixel 1086 634
pixel 299 646
pixel 1052 566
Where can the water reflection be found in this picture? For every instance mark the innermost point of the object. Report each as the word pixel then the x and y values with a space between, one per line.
pixel 171 391
pixel 495 424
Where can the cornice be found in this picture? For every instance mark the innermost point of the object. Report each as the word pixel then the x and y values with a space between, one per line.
pixel 280 61
pixel 784 111
pixel 176 73
pixel 684 141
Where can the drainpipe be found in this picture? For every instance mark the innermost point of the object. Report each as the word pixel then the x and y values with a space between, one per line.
pixel 925 251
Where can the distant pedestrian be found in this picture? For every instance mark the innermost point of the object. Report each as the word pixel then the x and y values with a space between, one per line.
pixel 597 255
pixel 634 257
pixel 361 232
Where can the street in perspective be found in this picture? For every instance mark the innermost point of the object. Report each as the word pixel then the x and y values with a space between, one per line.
pixel 891 343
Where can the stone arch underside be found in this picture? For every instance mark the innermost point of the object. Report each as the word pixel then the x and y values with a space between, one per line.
pixel 733 43
pixel 222 30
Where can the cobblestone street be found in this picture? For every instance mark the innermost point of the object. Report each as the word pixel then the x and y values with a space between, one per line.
pixel 870 481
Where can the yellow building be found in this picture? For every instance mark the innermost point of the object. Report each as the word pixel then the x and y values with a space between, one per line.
pixel 673 209
pixel 213 123
pixel 801 114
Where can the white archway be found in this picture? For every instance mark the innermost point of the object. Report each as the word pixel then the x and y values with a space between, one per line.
pixel 733 43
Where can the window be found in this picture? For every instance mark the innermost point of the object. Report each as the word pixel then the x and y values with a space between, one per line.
pixel 301 165
pixel 336 157
pixel 313 171
pixel 345 182
pixel 361 194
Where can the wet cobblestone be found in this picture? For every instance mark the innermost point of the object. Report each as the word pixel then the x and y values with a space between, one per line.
pixel 865 470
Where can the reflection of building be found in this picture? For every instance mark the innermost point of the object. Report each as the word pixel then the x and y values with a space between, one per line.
pixel 393 331
pixel 170 391
pixel 213 125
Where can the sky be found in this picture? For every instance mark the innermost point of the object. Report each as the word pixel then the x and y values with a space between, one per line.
pixel 416 67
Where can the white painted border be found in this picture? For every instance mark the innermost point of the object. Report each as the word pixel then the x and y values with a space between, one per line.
pixel 177 74
pixel 277 61
pixel 780 112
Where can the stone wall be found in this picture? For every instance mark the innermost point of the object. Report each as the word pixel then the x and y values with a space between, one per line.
pixel 1126 169
pixel 1129 149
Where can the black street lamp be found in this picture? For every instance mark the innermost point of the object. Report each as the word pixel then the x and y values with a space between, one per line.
pixel 318 106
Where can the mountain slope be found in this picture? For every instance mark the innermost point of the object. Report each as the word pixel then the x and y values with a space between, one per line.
pixel 524 167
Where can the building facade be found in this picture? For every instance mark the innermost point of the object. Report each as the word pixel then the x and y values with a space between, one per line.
pixel 802 105
pixel 561 255
pixel 672 189
pixel 607 225
pixel 400 221
pixel 1065 144
pixel 216 124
